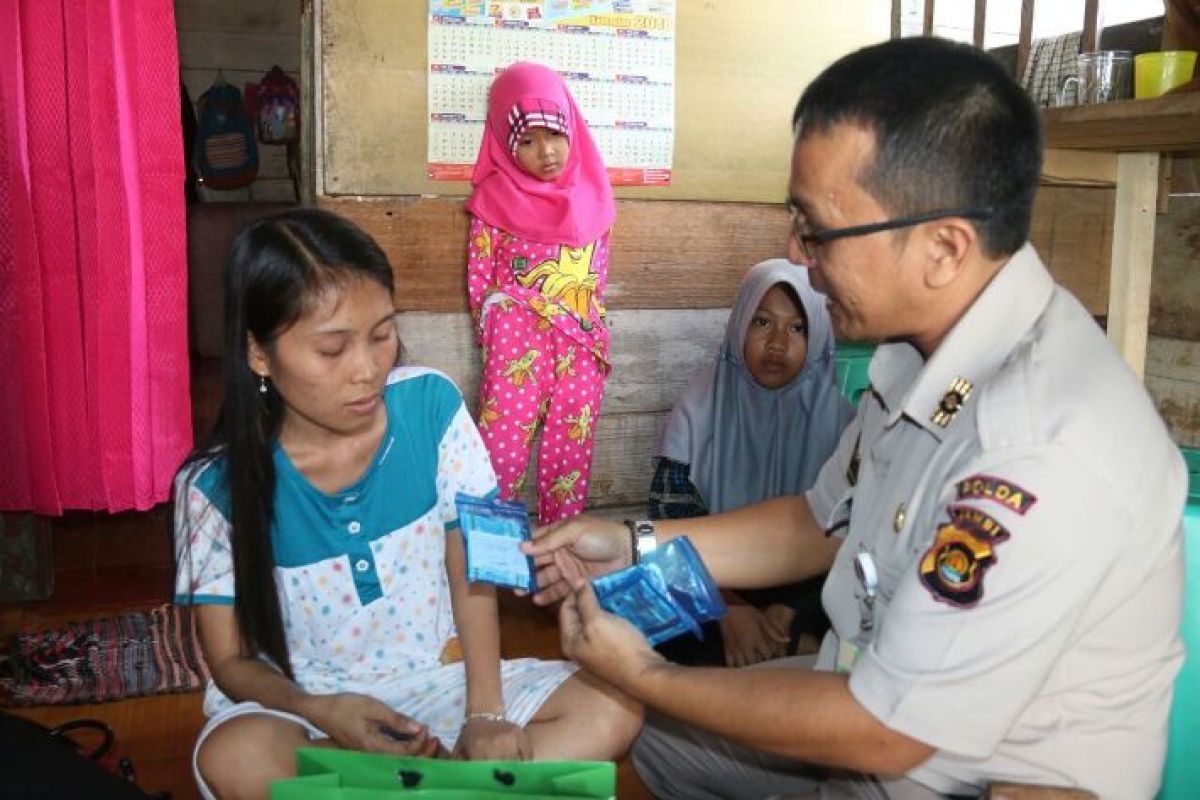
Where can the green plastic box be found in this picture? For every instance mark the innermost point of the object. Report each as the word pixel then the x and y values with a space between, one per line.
pixel 1181 776
pixel 853 358
pixel 1192 456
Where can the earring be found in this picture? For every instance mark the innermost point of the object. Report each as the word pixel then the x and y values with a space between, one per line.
pixel 262 384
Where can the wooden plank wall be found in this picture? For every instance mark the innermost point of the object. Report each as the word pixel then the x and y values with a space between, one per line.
pixel 654 353
pixel 1173 356
pixel 692 254
pixel 676 266
pixel 665 254
pixel 730 65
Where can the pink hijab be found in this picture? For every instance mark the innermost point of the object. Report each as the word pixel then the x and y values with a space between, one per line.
pixel 573 209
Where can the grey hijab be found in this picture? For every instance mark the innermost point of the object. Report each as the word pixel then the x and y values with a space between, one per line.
pixel 745 443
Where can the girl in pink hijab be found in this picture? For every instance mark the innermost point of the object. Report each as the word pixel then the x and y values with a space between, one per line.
pixel 537 261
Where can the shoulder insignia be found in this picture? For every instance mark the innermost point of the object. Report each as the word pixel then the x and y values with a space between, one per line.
pixel 952 569
pixel 998 490
pixel 954 399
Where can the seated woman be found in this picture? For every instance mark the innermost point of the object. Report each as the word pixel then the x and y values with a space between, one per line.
pixel 759 422
pixel 317 535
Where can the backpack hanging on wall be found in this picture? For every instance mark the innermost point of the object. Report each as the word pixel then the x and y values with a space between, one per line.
pixel 226 153
pixel 277 104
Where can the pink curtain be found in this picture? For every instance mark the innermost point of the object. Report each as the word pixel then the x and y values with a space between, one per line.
pixel 94 385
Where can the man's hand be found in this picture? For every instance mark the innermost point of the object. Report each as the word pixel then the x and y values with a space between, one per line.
pixel 602 643
pixel 751 636
pixel 575 550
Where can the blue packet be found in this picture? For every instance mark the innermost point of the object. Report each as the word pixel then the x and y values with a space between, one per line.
pixel 688 580
pixel 639 595
pixel 670 593
pixel 492 531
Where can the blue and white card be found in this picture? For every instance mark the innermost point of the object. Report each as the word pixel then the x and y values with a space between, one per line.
pixel 493 530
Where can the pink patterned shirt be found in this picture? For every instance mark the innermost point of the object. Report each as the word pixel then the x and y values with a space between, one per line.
pixel 564 285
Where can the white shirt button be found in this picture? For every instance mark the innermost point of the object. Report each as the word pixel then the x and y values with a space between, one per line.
pixel 350 498
pixel 354 527
pixel 362 565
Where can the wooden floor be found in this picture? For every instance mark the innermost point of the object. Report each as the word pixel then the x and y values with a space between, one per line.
pixel 106 564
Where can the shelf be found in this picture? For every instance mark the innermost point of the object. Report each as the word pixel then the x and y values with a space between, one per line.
pixel 1162 123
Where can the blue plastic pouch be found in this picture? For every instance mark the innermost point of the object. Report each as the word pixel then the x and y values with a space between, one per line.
pixel 492 531
pixel 668 594
pixel 688 579
pixel 639 595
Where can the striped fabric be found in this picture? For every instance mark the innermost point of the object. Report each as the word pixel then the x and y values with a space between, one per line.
pixel 534 113
pixel 135 654
pixel 226 150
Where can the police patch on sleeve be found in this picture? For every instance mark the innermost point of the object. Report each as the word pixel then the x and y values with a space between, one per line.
pixel 998 490
pixel 952 569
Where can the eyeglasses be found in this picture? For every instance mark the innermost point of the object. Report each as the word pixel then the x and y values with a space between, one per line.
pixel 811 240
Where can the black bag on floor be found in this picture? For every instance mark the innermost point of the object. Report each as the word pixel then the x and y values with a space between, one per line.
pixel 37 763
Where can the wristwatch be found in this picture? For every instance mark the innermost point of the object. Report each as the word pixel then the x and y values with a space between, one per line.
pixel 643 538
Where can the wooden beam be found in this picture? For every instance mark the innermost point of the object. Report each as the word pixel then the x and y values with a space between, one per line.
pixel 665 254
pixel 1024 38
pixel 1133 256
pixel 1166 169
pixel 980 27
pixel 927 21
pixel 308 102
pixel 1079 168
pixel 1090 41
pixel 1171 122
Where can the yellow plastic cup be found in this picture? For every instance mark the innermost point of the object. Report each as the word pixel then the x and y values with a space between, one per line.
pixel 1155 74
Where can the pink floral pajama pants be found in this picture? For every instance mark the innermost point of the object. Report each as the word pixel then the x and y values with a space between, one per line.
pixel 534 374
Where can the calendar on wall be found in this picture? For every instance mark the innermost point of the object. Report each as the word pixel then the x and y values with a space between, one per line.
pixel 617 58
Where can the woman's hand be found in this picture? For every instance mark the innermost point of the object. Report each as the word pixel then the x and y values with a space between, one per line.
pixel 358 722
pixel 750 636
pixel 484 738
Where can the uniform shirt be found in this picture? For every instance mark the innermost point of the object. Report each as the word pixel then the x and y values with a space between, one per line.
pixel 361 572
pixel 1016 503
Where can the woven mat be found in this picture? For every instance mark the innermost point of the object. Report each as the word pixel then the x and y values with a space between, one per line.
pixel 131 655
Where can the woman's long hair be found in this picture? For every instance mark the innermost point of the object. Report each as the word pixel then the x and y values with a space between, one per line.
pixel 277 270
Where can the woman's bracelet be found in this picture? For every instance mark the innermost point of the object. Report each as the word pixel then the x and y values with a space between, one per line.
pixel 490 716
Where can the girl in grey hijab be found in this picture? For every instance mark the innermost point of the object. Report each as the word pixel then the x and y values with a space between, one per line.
pixel 759 422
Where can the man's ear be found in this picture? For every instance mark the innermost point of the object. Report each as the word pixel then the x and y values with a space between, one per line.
pixel 949 243
pixel 256 357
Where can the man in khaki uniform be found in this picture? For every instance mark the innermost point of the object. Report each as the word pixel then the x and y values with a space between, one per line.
pixel 1002 521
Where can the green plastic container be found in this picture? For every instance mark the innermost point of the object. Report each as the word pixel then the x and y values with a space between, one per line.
pixel 853 358
pixel 1181 776
pixel 1192 456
